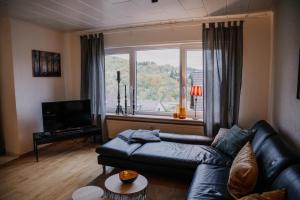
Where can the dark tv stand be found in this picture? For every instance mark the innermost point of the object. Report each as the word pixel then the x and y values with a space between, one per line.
pixel 61 135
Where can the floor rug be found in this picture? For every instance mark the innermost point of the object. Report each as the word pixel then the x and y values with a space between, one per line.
pixel 159 187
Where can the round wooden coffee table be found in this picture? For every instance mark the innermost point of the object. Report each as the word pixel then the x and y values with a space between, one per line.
pixel 117 190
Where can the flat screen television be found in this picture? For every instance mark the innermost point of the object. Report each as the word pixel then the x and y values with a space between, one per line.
pixel 63 115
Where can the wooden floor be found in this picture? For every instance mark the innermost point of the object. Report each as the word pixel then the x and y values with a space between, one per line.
pixel 63 167
pixel 6 158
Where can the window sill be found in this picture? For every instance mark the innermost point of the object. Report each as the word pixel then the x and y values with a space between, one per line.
pixel 154 119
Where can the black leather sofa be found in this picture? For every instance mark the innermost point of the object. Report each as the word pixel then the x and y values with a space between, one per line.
pixel 186 155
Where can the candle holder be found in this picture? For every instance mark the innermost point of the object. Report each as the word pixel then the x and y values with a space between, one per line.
pixel 133 102
pixel 125 101
pixel 119 108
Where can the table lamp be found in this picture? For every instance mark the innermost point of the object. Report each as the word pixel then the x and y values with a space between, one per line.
pixel 196 90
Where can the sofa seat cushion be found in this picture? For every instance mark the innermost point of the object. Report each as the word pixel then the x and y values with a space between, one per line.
pixel 180 155
pixel 117 148
pixel 209 183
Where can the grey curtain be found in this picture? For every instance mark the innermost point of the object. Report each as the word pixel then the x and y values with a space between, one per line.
pixel 93 76
pixel 223 63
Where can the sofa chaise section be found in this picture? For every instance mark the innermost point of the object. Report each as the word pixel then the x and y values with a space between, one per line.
pixel 180 155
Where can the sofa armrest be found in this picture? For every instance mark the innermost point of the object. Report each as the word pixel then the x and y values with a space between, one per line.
pixel 186 139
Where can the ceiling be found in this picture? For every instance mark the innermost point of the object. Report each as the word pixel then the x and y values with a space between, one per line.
pixel 70 15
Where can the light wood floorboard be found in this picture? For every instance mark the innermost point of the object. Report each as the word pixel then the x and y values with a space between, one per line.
pixel 63 167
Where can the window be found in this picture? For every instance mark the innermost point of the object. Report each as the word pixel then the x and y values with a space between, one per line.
pixel 194 76
pixel 114 63
pixel 161 76
pixel 157 80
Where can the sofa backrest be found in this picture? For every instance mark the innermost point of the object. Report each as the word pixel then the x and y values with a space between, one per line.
pixel 290 180
pixel 273 157
pixel 272 154
pixel 263 130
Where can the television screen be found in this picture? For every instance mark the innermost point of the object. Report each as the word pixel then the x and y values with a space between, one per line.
pixel 66 114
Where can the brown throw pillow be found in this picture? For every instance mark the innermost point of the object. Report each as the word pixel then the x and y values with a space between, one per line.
pixel 275 194
pixel 243 173
pixel 272 195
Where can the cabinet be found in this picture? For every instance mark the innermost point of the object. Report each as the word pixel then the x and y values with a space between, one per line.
pixel 50 137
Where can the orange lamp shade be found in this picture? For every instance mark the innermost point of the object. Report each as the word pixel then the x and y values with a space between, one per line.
pixel 196 90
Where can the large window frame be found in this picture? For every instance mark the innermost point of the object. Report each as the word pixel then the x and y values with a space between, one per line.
pixel 183 48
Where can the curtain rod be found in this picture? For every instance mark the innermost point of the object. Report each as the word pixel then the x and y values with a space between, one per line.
pixel 174 23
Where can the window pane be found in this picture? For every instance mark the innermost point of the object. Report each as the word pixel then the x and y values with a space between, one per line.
pixel 114 63
pixel 157 80
pixel 194 77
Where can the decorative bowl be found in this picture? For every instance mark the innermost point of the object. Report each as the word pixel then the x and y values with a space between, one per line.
pixel 128 176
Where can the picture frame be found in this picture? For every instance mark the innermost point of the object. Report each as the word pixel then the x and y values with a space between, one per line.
pixel 45 64
pixel 298 86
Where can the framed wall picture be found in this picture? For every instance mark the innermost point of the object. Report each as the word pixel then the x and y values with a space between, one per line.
pixel 298 87
pixel 45 64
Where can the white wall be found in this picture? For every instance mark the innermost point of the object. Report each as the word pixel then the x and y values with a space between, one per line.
pixel 72 77
pixel 254 102
pixel 30 91
pixel 7 98
pixel 286 65
pixel 256 71
pixel 155 34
